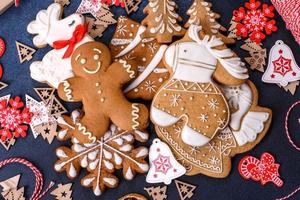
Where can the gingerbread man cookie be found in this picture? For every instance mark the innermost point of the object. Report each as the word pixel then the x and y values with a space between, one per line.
pixel 98 85
pixel 197 61
pixel 67 34
pixel 127 44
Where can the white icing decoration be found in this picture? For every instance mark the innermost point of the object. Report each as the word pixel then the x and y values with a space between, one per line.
pixel 144 136
pixel 61 120
pixel 97 191
pixel 129 174
pixel 118 159
pixel 128 68
pixel 84 162
pixel 110 181
pixel 47 28
pixel 68 90
pixel 149 69
pixel 142 153
pixel 93 164
pixel 78 148
pixel 171 170
pixel 126 148
pixel 133 43
pixel 92 155
pixel 72 171
pixel 135 116
pixel 251 126
pixel 62 134
pixel 118 42
pixel 119 141
pixel 192 137
pixel 61 154
pixel 88 181
pixel 128 138
pixel 107 154
pixel 108 165
pixel 93 71
pixel 75 115
pixel 84 131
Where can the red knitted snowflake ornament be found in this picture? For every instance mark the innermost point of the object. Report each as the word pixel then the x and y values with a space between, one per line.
pixel 13 119
pixel 254 22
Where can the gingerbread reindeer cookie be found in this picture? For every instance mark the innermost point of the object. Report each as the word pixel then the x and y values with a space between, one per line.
pixel 191 93
pixel 64 35
pixel 127 44
pixel 98 85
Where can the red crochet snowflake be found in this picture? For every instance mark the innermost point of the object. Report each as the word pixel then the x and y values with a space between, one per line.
pixel 255 22
pixel 13 119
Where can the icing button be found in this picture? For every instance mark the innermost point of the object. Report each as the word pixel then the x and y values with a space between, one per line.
pixel 102 99
pixel 97 84
pixel 99 92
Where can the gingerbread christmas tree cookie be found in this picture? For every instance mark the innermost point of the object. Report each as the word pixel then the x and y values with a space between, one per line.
pixel 162 21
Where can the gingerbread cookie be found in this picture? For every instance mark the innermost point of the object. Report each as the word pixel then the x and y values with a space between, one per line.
pixel 248 125
pixel 115 151
pixel 64 35
pixel 127 44
pixel 191 92
pixel 201 14
pixel 162 21
pixel 99 89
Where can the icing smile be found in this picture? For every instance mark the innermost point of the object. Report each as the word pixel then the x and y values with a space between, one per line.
pixel 93 71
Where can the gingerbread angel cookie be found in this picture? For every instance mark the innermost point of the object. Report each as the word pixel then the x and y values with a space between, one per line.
pixel 248 125
pixel 64 35
pixel 127 44
pixel 98 85
pixel 191 93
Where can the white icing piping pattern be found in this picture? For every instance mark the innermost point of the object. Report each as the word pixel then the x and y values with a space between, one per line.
pixel 135 116
pixel 233 65
pixel 128 68
pixel 84 131
pixel 68 90
pixel 152 65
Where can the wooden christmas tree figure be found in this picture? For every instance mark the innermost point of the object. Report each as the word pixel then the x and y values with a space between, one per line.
pixel 185 190
pixel 63 192
pixel 257 60
pixel 131 5
pixel 25 52
pixel 201 14
pixel 157 193
pixel 45 93
pixel 162 21
pixel 104 16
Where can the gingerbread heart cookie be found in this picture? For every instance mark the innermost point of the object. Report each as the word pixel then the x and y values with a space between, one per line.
pixel 96 85
pixel 128 44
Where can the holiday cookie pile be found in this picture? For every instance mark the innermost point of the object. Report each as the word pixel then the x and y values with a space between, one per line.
pixel 203 106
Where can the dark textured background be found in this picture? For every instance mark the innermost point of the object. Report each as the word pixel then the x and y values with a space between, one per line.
pixel 13 27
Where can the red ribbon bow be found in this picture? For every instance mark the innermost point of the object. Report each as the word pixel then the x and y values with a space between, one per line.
pixel 264 170
pixel 78 35
pixel 17 2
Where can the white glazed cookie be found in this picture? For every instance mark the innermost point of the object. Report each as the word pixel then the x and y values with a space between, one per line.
pixel 191 92
pixel 128 44
pixel 49 28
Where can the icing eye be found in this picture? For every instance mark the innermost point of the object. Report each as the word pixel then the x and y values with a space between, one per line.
pixel 96 57
pixel 185 51
pixel 72 23
pixel 83 61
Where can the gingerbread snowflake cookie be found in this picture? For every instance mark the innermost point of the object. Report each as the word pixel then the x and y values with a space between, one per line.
pixel 191 92
pixel 128 44
pixel 95 85
pixel 114 151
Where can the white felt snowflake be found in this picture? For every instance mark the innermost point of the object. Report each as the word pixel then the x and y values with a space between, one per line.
pixel 175 99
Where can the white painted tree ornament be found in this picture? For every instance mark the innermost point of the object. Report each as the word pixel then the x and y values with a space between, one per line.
pixel 163 165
